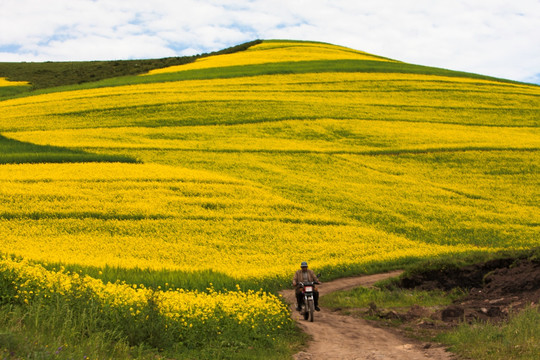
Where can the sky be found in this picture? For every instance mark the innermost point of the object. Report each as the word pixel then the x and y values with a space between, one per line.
pixel 492 37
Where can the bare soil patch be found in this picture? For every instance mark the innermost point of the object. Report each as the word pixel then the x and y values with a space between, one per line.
pixel 494 289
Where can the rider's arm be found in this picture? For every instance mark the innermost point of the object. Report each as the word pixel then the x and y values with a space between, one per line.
pixel 315 279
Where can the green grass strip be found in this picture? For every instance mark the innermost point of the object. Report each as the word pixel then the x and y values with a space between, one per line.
pixel 18 152
pixel 315 66
pixel 387 298
pixel 519 338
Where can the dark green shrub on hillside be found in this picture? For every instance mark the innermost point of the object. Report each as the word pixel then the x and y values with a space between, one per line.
pixel 50 74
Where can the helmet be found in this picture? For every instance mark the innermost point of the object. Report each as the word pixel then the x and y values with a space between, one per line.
pixel 303 264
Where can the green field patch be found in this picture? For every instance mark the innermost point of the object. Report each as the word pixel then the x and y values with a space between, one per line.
pixel 9 91
pixel 18 152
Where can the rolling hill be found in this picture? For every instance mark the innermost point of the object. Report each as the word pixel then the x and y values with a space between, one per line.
pixel 234 168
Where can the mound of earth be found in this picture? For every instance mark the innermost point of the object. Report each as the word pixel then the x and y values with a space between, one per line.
pixel 495 288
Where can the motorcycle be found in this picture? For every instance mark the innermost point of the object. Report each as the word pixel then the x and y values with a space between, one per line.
pixel 308 305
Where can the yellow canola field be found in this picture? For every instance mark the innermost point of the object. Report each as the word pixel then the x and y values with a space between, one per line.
pixel 6 82
pixel 107 172
pixel 274 52
pixel 284 164
pixel 290 136
pixel 131 191
pixel 280 97
pixel 242 249
pixel 256 311
pixel 159 217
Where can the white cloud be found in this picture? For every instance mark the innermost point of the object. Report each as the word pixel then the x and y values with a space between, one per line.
pixel 99 47
pixel 494 37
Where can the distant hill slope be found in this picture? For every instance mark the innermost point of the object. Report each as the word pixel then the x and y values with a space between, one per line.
pixel 290 150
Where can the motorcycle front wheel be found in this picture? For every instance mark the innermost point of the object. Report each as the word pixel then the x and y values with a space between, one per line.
pixel 311 311
pixel 305 312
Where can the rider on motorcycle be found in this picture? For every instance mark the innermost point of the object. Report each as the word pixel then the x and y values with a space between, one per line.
pixel 305 275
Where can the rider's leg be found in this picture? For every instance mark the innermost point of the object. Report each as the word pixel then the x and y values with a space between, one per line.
pixel 316 299
pixel 299 299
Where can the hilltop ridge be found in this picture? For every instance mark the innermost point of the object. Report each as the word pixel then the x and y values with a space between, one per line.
pixel 258 57
pixel 275 51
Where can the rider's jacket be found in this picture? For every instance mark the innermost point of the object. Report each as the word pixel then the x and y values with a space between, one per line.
pixel 298 277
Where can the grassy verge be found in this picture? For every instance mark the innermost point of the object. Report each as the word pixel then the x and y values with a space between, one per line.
pixel 387 298
pixel 36 331
pixel 519 338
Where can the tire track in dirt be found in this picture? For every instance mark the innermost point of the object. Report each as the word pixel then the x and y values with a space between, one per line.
pixel 336 336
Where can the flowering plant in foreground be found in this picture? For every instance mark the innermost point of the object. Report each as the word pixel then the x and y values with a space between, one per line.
pixel 183 316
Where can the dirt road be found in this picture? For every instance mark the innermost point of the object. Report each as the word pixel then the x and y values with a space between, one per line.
pixel 346 338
